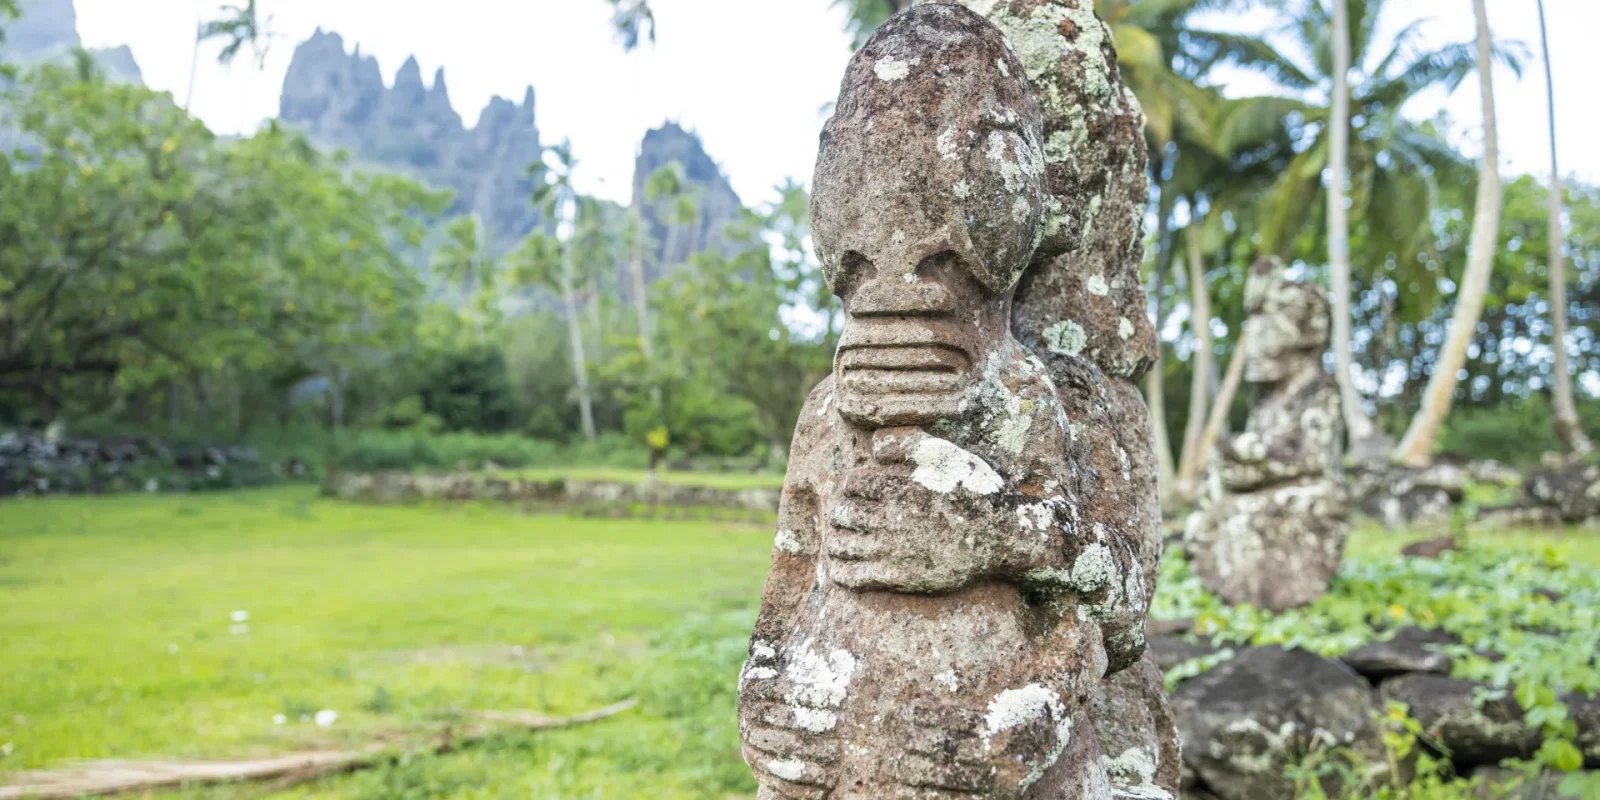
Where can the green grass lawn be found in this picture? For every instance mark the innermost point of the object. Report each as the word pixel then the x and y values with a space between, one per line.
pixel 116 637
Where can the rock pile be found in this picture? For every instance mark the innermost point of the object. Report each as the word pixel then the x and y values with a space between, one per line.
pixel 34 463
pixel 1249 718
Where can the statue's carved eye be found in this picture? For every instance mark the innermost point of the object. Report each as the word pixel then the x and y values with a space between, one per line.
pixel 854 269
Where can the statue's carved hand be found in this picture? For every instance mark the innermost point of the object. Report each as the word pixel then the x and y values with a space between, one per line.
pixel 787 722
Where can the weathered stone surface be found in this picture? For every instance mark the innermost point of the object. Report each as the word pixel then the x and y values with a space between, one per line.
pixel 1570 486
pixel 1411 650
pixel 1138 733
pixel 1431 548
pixel 1170 651
pixel 1270 527
pixel 402 487
pixel 1081 309
pixel 938 612
pixel 1473 735
pixel 1407 497
pixel 1584 710
pixel 36 463
pixel 1245 720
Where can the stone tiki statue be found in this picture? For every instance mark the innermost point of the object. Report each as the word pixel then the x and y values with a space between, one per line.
pixel 1081 308
pixel 940 608
pixel 1271 525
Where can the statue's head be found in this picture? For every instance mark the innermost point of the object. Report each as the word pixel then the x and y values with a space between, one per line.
pixel 925 210
pixel 1288 321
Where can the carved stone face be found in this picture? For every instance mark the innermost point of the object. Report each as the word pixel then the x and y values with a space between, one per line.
pixel 926 208
pixel 1289 324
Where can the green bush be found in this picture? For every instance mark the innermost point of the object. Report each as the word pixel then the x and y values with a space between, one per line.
pixel 1514 433
pixel 470 390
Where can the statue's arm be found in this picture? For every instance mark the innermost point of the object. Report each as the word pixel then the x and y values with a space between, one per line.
pixel 797 542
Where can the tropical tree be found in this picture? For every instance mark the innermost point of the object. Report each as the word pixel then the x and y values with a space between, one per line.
pixel 1417 446
pixel 633 22
pixel 466 260
pixel 1355 140
pixel 1564 412
pixel 864 16
pixel 239 25
pixel 669 188
pixel 556 199
pixel 1358 425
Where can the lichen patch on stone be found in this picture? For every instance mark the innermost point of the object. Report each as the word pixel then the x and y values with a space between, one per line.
pixel 788 769
pixel 1065 337
pixel 890 68
pixel 943 467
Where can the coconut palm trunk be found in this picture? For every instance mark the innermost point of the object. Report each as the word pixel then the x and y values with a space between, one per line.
pixel 1416 448
pixel 641 302
pixel 1360 427
pixel 580 370
pixel 1568 428
pixel 1193 459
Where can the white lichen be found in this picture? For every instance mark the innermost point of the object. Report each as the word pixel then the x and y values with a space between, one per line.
pixel 815 720
pixel 943 467
pixel 890 68
pixel 948 680
pixel 1014 707
pixel 961 190
pixel 1065 337
pixel 819 682
pixel 786 541
pixel 788 769
pixel 1125 328
pixel 1097 285
pixel 947 145
pixel 1035 516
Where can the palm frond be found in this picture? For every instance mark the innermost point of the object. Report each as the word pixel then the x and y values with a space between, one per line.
pixel 1250 121
pixel 1249 52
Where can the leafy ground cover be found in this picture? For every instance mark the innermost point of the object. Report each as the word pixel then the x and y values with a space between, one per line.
pixel 1524 607
pixel 119 637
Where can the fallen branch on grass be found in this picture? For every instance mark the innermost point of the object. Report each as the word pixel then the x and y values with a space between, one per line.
pixel 115 777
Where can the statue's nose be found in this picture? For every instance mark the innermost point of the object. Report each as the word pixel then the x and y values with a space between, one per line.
pixel 905 294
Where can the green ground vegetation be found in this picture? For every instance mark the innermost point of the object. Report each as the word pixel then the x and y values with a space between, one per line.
pixel 118 637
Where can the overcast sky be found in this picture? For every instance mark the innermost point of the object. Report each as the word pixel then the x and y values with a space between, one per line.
pixel 749 75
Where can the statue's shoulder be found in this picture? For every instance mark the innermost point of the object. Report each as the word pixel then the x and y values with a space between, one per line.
pixel 819 420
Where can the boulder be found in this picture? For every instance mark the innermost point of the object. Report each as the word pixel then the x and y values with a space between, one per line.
pixel 1247 719
pixel 1472 734
pixel 1431 548
pixel 1585 711
pixel 1138 735
pixel 1411 649
pixel 1170 651
pixel 1570 486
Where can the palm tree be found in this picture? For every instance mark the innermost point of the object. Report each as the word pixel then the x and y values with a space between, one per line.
pixel 1362 432
pixel 633 22
pixel 1389 165
pixel 1417 447
pixel 1568 429
pixel 669 185
pixel 239 26
pixel 463 258
pixel 556 199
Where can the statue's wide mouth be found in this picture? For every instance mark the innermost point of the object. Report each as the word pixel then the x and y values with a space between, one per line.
pixel 902 369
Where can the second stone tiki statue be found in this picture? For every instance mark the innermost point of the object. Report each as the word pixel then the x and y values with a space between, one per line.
pixel 938 612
